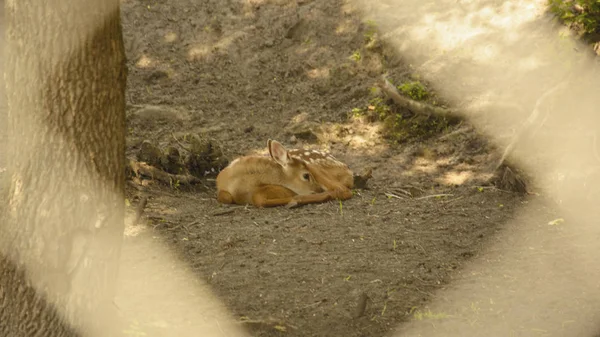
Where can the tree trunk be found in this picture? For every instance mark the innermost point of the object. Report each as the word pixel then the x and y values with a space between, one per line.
pixel 65 78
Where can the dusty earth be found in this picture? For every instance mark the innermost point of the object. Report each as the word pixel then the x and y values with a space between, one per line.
pixel 240 72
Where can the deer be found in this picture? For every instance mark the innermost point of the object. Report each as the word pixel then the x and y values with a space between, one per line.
pixel 284 178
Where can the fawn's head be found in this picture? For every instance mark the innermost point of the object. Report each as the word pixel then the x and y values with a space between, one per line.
pixel 297 177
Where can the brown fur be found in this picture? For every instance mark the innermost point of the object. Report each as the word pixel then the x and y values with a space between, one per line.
pixel 325 165
pixel 279 179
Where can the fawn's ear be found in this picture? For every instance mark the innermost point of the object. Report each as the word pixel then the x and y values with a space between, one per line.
pixel 278 152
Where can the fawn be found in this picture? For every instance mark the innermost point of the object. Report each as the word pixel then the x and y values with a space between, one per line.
pixel 285 177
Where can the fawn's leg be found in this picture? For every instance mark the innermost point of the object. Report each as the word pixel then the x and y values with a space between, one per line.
pixel 225 197
pixel 334 188
pixel 310 199
pixel 272 195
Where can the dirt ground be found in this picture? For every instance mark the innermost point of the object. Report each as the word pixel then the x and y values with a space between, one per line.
pixel 240 72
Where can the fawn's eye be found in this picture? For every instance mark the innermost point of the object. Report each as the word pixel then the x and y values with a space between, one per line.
pixel 306 176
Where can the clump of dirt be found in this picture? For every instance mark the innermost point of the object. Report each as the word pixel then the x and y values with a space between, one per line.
pixel 184 158
pixel 233 74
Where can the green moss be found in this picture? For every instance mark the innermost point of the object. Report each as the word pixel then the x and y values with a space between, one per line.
pixel 583 13
pixel 399 128
pixel 415 90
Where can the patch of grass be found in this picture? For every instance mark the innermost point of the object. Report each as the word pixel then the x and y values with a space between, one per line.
pixel 585 14
pixel 370 31
pixel 376 110
pixel 175 184
pixel 379 107
pixel 415 90
pixel 422 315
pixel 356 56
pixel 358 112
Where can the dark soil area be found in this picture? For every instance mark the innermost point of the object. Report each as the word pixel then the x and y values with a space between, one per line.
pixel 240 72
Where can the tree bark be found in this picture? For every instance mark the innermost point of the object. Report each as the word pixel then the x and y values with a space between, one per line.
pixel 65 76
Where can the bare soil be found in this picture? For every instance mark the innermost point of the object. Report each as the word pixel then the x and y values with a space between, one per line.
pixel 240 72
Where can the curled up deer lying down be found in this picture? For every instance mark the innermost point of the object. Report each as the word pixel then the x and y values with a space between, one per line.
pixel 285 177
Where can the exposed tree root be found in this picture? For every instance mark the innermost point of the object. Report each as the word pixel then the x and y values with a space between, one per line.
pixel 507 179
pixel 141 169
pixel 419 108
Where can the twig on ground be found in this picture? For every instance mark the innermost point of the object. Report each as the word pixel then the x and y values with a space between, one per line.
pixel 193 223
pixel 391 195
pixel 452 200
pixel 270 322
pixel 178 142
pixel 435 196
pixel 312 304
pixel 180 225
pixel 494 188
pixel 405 192
pixel 225 212
pixel 409 196
pixel 284 219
